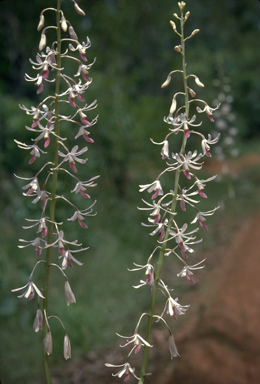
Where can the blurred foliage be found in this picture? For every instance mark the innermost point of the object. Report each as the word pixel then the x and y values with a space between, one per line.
pixel 133 43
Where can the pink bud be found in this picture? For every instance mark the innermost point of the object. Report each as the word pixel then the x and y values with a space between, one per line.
pixel 31 296
pixel 38 250
pixel 210 117
pixel 45 74
pixel 83 225
pixel 40 89
pixel 32 159
pixel 80 98
pixel 155 194
pixel 71 101
pixel 85 77
pixel 202 194
pixel 182 205
pixel 187 173
pixel 157 218
pixel 186 132
pixel 190 278
pixel 203 225
pixel 72 166
pixel 83 194
pixel 35 123
pixel 87 138
pixel 84 121
pixel 82 56
pixel 44 231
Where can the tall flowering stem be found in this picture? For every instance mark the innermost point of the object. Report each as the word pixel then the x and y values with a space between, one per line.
pixel 66 104
pixel 165 208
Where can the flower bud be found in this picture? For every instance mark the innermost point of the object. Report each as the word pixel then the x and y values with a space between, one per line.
pixel 177 48
pixel 172 347
pixel 167 82
pixel 37 324
pixel 173 106
pixel 191 92
pixel 198 82
pixel 69 295
pixel 78 9
pixel 41 22
pixel 64 25
pixel 187 14
pixel 181 5
pixel 66 348
pixel 194 32
pixel 43 42
pixel 173 25
pixel 176 16
pixel 48 343
pixel 72 33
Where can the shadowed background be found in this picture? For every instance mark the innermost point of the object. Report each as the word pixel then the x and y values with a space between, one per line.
pixel 133 42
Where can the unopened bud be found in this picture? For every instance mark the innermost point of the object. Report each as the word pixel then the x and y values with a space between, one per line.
pixel 48 343
pixel 194 32
pixel 43 42
pixel 198 82
pixel 66 348
pixel 72 33
pixel 176 16
pixel 64 25
pixel 191 92
pixel 181 5
pixel 69 295
pixel 177 48
pixel 172 347
pixel 167 82
pixel 173 25
pixel 173 106
pixel 187 14
pixel 37 324
pixel 78 9
pixel 41 22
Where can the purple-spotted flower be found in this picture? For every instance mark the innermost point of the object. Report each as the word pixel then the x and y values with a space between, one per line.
pixel 29 292
pixel 126 370
pixel 201 217
pixel 205 144
pixel 153 187
pixel 209 111
pixel 72 156
pixel 187 271
pixel 137 341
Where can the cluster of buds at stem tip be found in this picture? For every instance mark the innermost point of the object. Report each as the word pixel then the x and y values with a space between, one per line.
pixel 165 206
pixel 57 155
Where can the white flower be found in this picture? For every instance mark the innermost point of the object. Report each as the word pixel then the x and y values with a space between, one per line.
pixel 206 142
pixel 154 186
pixel 29 293
pixel 73 156
pixel 126 370
pixel 173 308
pixel 136 339
pixel 207 109
pixel 186 162
pixel 187 271
pixel 201 217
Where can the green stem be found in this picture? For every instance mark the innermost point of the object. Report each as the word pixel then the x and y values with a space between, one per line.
pixel 52 199
pixel 172 210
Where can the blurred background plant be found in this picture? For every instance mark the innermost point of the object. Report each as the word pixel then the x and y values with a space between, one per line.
pixel 134 52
